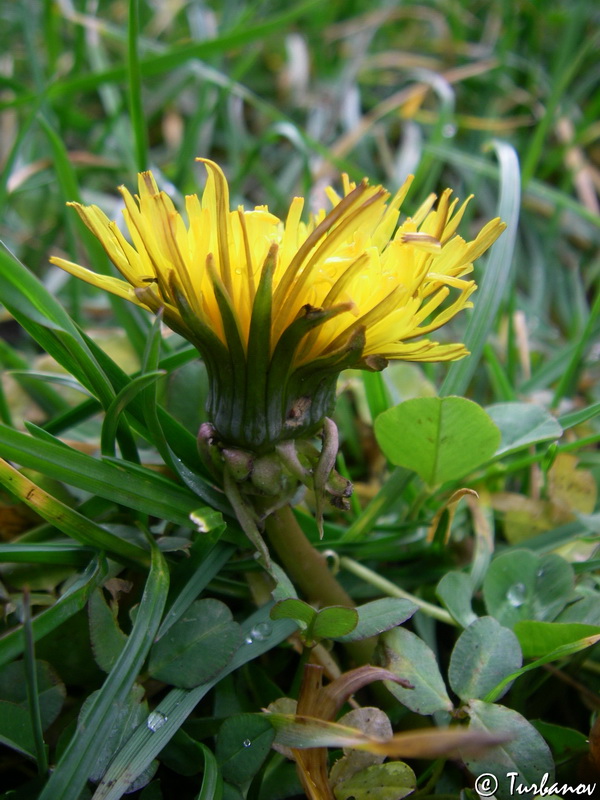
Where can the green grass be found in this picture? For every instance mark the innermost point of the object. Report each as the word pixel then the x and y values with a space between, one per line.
pixel 104 487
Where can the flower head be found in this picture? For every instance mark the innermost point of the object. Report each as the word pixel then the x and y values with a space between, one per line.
pixel 278 308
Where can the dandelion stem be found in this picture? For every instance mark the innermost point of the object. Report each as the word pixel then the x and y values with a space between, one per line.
pixel 307 568
pixel 310 573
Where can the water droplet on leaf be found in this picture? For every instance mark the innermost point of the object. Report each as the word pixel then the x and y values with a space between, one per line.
pixel 261 631
pixel 155 721
pixel 516 594
pixel 246 742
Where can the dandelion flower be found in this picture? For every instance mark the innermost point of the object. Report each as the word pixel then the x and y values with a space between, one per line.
pixel 277 308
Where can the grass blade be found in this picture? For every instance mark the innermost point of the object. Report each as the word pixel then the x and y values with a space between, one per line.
pixel 136 109
pixel 496 277
pixel 34 307
pixel 68 520
pixel 378 398
pixel 574 418
pixel 212 780
pixel 45 553
pixel 135 325
pixel 576 362
pixel 72 601
pixel 208 559
pixel 145 744
pixel 72 417
pixel 176 56
pixel 390 491
pixel 127 484
pixel 573 48
pixel 33 698
pixel 71 772
pixel 118 405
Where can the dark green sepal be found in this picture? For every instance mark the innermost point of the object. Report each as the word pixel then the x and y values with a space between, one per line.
pixel 229 421
pixel 150 361
pixel 317 383
pixel 281 400
pixel 152 349
pixel 221 377
pixel 259 352
pixel 373 363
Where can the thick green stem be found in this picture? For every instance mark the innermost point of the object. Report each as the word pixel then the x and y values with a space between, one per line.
pixel 310 573
pixel 306 567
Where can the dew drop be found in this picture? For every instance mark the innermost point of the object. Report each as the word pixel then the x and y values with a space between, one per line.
pixel 155 721
pixel 249 639
pixel 261 631
pixel 247 743
pixel 449 130
pixel 541 572
pixel 516 594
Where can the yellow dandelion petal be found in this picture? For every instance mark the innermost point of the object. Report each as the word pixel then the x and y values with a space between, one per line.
pixel 314 239
pixel 423 241
pixel 131 267
pixel 216 197
pixel 347 185
pixel 250 266
pixel 333 197
pixel 99 224
pixel 425 351
pixel 106 282
pixel 431 305
pixel 486 238
pixel 448 280
pixel 343 285
pixel 346 227
pixel 446 314
pixel 423 210
pixel 454 219
pixel 435 222
pixel 143 236
pixel 292 234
